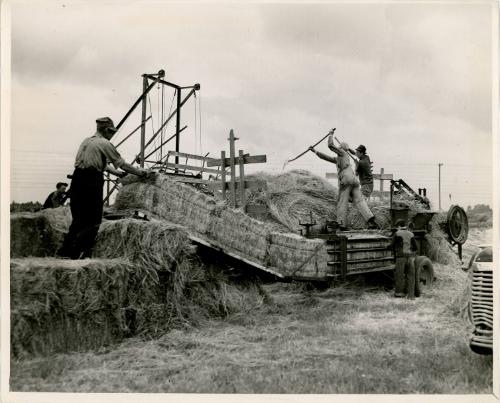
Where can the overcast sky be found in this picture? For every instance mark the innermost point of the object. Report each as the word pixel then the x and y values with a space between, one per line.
pixel 412 82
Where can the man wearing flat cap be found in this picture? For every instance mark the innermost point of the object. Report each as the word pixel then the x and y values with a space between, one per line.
pixel 58 197
pixel 364 170
pixel 95 155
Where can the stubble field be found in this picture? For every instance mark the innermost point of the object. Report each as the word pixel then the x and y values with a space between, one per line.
pixel 350 338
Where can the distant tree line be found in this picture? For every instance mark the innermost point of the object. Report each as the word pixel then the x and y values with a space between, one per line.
pixel 481 215
pixel 28 206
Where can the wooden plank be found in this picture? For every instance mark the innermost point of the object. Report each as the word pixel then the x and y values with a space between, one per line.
pixel 232 188
pixel 333 175
pixel 192 156
pixel 242 179
pixel 189 167
pixel 247 159
pixel 234 255
pixel 185 179
pixel 360 271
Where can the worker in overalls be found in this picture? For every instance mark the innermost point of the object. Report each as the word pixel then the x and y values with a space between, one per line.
pixel 349 187
pixel 405 249
pixel 93 157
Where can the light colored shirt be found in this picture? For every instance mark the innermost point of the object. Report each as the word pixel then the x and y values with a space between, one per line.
pixel 96 152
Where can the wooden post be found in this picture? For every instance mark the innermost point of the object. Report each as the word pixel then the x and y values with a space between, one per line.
pixel 223 173
pixel 242 179
pixel 381 180
pixel 177 126
pixel 143 121
pixel 233 168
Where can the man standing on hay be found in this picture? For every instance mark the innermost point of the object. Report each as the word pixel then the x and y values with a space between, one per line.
pixel 92 159
pixel 364 170
pixel 349 187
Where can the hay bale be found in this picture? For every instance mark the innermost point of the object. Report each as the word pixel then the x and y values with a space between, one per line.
pixel 148 243
pixel 40 233
pixel 168 200
pixel 294 255
pixel 245 235
pixel 65 305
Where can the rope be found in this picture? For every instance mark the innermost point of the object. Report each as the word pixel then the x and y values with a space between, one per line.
pixel 195 125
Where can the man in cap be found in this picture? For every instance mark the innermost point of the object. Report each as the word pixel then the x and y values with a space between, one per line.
pixel 364 170
pixel 92 159
pixel 348 185
pixel 405 249
pixel 58 197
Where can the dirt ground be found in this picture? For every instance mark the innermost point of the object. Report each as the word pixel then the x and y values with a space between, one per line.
pixel 351 338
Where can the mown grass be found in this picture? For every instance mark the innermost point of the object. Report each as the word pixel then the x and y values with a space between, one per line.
pixel 352 338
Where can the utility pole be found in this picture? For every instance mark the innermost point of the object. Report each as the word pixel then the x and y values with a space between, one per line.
pixel 439 182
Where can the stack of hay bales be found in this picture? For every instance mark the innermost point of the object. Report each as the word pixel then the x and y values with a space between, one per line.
pixel 144 278
pixel 38 233
pixel 62 305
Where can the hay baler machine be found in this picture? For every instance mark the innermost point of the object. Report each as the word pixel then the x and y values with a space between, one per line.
pixel 365 251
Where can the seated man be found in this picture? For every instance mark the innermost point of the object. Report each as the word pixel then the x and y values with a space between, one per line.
pixel 349 187
pixel 58 197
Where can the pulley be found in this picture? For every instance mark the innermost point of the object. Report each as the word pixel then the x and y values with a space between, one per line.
pixel 457 225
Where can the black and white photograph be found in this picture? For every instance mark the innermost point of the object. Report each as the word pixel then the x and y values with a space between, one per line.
pixel 281 201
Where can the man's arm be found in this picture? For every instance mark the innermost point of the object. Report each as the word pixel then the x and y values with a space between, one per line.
pixel 323 156
pixel 114 171
pixel 332 147
pixel 134 170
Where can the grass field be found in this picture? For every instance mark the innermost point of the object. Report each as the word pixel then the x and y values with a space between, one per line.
pixel 352 338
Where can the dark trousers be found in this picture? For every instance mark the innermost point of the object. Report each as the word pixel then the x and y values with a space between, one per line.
pixel 404 276
pixel 86 209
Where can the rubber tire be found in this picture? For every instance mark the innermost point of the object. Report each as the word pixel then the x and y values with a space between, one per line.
pixel 424 271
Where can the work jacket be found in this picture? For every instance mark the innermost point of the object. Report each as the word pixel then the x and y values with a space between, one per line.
pixel 364 170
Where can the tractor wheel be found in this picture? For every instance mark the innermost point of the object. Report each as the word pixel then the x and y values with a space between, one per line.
pixel 424 272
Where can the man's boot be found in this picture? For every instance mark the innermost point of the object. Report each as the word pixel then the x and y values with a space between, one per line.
pixel 372 224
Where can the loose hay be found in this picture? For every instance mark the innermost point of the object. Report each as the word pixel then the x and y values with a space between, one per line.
pixel 40 233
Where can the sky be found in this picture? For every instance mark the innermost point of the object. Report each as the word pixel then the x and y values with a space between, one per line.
pixel 410 81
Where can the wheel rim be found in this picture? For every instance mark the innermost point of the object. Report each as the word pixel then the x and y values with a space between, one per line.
pixel 458 226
